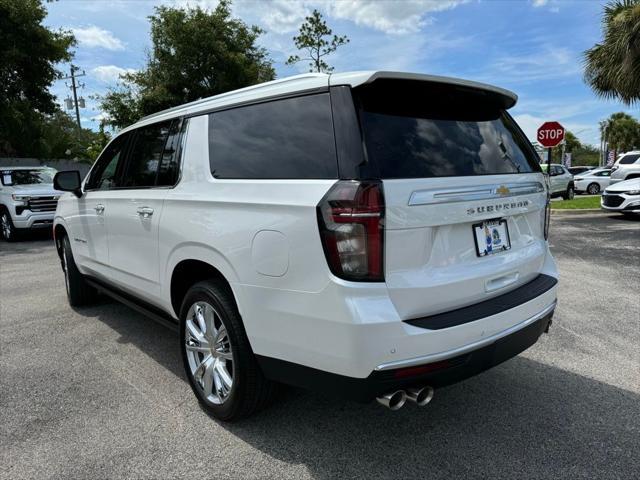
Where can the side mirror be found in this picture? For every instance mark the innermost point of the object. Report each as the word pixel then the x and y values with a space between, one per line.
pixel 68 181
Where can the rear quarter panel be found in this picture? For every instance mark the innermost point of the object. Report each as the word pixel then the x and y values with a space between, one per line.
pixel 235 225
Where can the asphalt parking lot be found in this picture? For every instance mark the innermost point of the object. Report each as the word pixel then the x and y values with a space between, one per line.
pixel 100 392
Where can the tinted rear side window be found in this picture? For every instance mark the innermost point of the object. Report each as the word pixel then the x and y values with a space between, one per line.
pixel 416 130
pixel 145 155
pixel 289 138
pixel 629 159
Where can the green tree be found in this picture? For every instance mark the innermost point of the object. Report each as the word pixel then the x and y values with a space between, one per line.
pixel 585 155
pixel 194 54
pixel 612 68
pixel 622 132
pixel 318 40
pixel 28 54
pixel 60 138
pixel 571 142
pixel 97 143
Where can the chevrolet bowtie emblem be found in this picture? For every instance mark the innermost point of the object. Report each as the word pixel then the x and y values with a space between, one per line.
pixel 503 191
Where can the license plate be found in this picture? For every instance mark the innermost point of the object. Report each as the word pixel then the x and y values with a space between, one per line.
pixel 492 236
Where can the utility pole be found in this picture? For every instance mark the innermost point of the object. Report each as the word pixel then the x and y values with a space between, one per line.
pixel 74 87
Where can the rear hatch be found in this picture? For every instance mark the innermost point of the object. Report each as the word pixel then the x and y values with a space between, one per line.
pixel 465 198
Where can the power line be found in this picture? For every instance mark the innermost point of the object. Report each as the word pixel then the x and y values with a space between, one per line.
pixel 74 87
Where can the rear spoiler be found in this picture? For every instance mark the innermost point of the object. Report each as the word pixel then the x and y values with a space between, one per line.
pixel 503 98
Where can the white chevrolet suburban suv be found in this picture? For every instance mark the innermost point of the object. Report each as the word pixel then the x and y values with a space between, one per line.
pixel 368 234
pixel 27 200
pixel 627 167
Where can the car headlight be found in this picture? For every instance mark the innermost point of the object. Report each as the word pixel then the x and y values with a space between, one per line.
pixel 633 192
pixel 21 198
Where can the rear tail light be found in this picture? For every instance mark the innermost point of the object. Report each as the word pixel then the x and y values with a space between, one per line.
pixel 351 222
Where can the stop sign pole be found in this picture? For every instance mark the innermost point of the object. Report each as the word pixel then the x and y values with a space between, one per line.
pixel 550 134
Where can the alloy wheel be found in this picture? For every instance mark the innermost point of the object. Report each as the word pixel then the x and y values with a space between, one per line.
pixel 593 189
pixel 6 226
pixel 209 352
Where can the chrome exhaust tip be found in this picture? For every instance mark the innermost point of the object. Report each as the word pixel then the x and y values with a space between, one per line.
pixel 420 396
pixel 393 400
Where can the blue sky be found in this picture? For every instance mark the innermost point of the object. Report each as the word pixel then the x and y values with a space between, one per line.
pixel 533 47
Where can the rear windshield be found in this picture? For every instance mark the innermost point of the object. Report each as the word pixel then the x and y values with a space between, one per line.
pixel 27 177
pixel 416 130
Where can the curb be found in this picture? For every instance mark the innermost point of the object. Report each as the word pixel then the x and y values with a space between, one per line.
pixel 578 211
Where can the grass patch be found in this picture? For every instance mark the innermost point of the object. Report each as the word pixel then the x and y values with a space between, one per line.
pixel 578 203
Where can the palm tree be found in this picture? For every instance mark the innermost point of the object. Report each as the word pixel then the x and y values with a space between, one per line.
pixel 623 132
pixel 612 68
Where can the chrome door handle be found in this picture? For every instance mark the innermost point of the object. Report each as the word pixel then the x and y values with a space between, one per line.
pixel 99 208
pixel 145 212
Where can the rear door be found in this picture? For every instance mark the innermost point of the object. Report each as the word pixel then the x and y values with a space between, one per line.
pixel 135 209
pixel 451 160
pixel 556 180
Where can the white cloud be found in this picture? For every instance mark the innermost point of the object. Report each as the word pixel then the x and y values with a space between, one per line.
pixel 93 36
pixel 282 15
pixel 110 73
pixel 553 5
pixel 546 62
pixel 390 16
pixel 99 117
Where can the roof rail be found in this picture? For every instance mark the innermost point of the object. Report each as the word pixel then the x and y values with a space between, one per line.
pixel 234 92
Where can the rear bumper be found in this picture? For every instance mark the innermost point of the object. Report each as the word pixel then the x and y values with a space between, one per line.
pixel 436 370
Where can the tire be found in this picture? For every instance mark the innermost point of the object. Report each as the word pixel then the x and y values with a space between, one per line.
pixel 217 357
pixel 7 229
pixel 593 189
pixel 569 194
pixel 79 292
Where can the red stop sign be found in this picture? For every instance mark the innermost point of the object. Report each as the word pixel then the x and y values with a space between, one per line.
pixel 550 134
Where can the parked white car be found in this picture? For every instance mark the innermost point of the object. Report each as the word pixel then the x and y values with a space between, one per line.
pixel 623 197
pixel 27 200
pixel 626 167
pixel 592 182
pixel 360 234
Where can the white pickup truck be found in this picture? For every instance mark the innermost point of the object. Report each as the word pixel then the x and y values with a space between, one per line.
pixel 27 199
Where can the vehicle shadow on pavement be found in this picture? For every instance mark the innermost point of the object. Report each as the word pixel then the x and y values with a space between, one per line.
pixel 30 242
pixel 153 339
pixel 522 419
pixel 627 218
